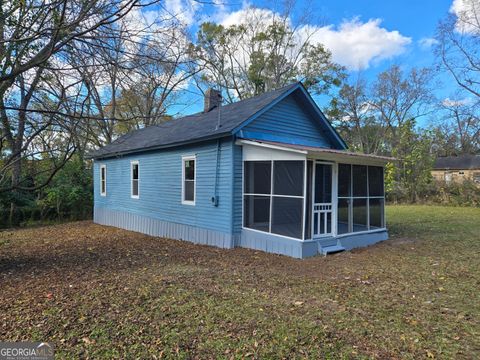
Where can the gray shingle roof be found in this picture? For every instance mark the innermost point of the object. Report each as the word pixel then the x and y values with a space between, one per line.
pixel 458 162
pixel 196 127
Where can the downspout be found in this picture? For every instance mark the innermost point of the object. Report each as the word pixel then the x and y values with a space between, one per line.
pixel 217 160
pixel 217 171
pixel 232 195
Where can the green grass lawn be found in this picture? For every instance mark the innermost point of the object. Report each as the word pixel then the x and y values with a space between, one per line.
pixel 102 292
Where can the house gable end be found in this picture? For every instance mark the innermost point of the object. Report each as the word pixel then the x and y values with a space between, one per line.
pixel 294 119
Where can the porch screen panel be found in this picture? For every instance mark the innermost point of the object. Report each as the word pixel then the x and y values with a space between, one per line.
pixel 344 180
pixel 376 213
pixel 276 209
pixel 361 198
pixel 375 181
pixel 287 197
pixel 323 183
pixel 360 215
pixel 287 214
pixel 257 212
pixel 257 190
pixel 343 216
pixel 288 178
pixel 258 177
pixel 359 180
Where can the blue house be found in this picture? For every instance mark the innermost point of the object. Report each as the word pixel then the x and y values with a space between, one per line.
pixel 267 173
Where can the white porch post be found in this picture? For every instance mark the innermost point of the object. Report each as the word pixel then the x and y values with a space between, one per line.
pixel 305 174
pixel 334 198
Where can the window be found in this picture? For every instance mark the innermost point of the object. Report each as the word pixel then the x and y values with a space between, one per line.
pixel 274 196
pixel 361 198
pixel 103 180
pixel 135 176
pixel 188 180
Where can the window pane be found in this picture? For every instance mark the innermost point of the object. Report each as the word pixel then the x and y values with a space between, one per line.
pixel 256 212
pixel 189 190
pixel 103 182
pixel 359 180
pixel 344 179
pixel 287 216
pixel 323 183
pixel 376 213
pixel 257 177
pixel 288 177
pixel 360 215
pixel 342 224
pixel 189 169
pixel 375 180
pixel 135 187
pixel 135 171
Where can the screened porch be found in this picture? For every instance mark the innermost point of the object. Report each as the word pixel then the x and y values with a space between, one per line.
pixel 307 193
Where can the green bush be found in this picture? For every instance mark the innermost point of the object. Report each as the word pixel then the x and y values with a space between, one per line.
pixel 69 196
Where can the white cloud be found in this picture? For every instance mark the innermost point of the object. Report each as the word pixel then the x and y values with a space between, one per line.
pixel 183 10
pixel 426 43
pixel 246 14
pixel 447 102
pixel 468 14
pixel 357 45
pixel 354 44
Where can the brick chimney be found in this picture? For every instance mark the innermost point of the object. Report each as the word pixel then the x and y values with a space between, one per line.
pixel 213 98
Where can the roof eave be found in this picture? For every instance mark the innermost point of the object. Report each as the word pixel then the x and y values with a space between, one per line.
pixel 322 153
pixel 161 147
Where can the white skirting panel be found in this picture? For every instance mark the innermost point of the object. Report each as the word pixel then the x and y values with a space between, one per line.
pixel 154 227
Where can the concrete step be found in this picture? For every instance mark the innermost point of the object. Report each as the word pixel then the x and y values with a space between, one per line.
pixel 325 250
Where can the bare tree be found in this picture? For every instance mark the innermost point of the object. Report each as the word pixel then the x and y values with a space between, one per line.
pixel 131 74
pixel 458 47
pixel 158 74
pixel 265 51
pixel 460 128
pixel 397 97
pixel 353 116
pixel 33 36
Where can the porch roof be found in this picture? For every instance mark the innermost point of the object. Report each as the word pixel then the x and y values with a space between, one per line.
pixel 323 153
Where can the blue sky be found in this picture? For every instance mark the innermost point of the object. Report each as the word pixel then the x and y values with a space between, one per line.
pixel 367 36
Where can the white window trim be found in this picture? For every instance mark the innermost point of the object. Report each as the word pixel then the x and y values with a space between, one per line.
pixel 184 159
pixel 134 162
pixel 103 166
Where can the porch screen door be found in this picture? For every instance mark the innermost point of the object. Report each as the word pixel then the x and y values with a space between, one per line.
pixel 322 204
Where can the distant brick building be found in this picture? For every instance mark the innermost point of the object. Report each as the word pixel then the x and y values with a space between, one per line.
pixel 457 168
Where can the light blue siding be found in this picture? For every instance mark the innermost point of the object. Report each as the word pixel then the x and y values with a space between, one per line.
pixel 287 122
pixel 160 184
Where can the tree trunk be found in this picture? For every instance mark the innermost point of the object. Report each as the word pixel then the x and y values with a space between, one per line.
pixel 16 174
